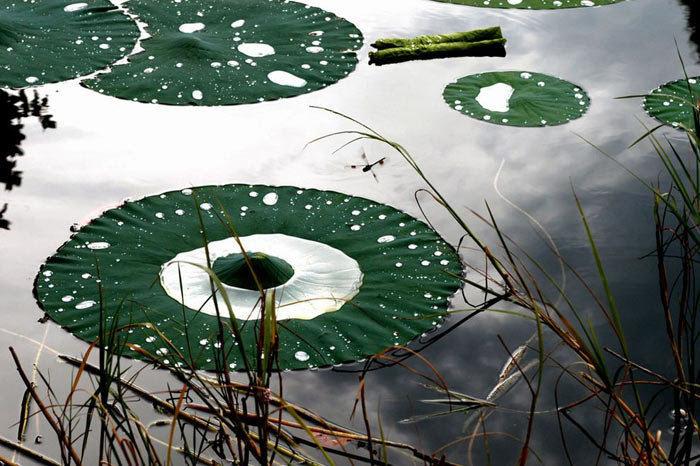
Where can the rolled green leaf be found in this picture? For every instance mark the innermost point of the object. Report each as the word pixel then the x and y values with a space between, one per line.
pixel 476 35
pixel 485 48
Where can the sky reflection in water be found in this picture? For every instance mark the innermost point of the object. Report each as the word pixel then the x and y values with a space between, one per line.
pixel 107 149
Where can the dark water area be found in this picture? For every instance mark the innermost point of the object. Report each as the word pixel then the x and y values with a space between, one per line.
pixel 105 150
pixel 693 21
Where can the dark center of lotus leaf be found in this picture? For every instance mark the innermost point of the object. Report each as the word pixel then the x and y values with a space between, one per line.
pixel 271 271
pixel 54 40
pixel 183 46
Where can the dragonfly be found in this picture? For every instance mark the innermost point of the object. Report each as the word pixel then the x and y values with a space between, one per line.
pixel 366 166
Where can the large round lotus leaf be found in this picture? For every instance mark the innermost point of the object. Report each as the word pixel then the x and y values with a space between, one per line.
pixel 365 275
pixel 224 52
pixel 672 103
pixel 533 4
pixel 517 98
pixel 53 40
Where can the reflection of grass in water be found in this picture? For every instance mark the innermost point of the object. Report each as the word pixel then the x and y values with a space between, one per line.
pixel 4 224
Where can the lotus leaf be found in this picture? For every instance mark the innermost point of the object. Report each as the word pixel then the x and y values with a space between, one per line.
pixel 364 275
pixel 672 103
pixel 225 52
pixel 517 98
pixel 54 40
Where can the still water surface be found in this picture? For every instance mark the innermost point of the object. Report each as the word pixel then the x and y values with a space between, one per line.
pixel 104 150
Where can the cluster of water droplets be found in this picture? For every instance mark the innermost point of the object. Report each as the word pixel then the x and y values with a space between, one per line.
pixel 223 54
pixel 78 38
pixel 670 106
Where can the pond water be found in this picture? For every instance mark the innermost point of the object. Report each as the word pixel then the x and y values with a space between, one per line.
pixel 104 150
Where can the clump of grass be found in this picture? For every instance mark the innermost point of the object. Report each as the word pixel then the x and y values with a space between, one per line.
pixel 214 420
pixel 611 378
pixel 210 418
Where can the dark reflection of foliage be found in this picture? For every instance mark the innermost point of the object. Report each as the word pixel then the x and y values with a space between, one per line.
pixel 3 222
pixel 693 7
pixel 13 108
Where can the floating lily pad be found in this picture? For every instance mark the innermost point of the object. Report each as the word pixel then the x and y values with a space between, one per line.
pixel 533 4
pixel 363 275
pixel 672 103
pixel 517 98
pixel 224 52
pixel 54 40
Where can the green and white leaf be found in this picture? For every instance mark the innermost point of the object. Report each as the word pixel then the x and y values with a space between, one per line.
pixel 55 40
pixel 673 102
pixel 226 52
pixel 407 272
pixel 517 98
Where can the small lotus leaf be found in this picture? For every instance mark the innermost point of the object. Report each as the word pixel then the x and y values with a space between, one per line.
pixel 672 103
pixel 225 52
pixel 517 98
pixel 54 40
pixel 407 273
pixel 533 4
